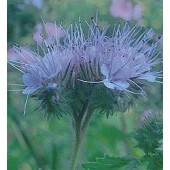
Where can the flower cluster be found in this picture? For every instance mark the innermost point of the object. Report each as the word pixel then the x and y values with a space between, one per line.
pixel 118 62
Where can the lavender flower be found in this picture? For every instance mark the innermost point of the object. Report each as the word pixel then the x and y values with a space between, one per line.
pixel 122 9
pixel 53 31
pixel 126 10
pixel 120 61
pixel 125 58
pixel 125 65
pixel 37 71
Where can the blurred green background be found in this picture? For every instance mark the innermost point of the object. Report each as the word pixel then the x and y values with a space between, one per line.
pixel 34 141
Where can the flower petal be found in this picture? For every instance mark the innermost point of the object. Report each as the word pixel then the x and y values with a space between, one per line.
pixel 105 70
pixel 121 85
pixel 109 85
pixel 29 90
pixel 149 77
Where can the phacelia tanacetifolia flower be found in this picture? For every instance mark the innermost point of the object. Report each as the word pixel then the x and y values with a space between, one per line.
pixel 37 70
pixel 130 59
pixel 126 57
pixel 118 60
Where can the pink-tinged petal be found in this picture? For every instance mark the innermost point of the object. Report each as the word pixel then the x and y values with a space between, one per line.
pixel 122 9
pixel 12 55
pixel 21 54
pixel 53 30
pixel 37 37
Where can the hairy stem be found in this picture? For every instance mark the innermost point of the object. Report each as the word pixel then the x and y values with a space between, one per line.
pixel 75 153
pixel 86 120
pixel 80 129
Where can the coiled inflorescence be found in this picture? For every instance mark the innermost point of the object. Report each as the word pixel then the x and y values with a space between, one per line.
pixel 121 61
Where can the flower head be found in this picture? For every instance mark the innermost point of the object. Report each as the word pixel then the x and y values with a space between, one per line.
pixel 78 62
pixel 37 70
pixel 129 59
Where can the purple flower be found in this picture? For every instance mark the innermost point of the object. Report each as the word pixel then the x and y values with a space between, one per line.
pixel 38 70
pixel 58 68
pixel 127 65
pixel 131 63
pixel 126 10
pixel 118 61
pixel 126 57
pixel 52 30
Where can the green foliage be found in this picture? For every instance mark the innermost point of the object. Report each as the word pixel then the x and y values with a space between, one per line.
pixel 108 101
pixel 149 138
pixel 21 20
pixel 153 13
pixel 149 133
pixel 154 161
pixel 112 163
pixel 107 135
pixel 52 102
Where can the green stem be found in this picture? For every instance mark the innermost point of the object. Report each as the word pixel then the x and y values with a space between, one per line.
pixel 80 129
pixel 75 153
